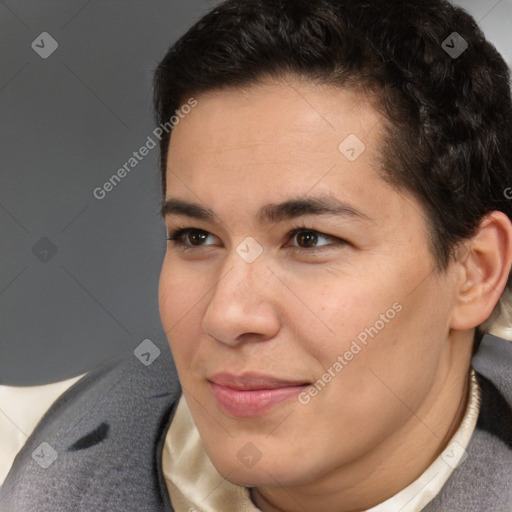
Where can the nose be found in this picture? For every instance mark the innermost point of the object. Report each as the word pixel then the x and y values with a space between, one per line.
pixel 243 303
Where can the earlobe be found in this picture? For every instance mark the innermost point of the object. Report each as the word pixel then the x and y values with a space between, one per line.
pixel 485 268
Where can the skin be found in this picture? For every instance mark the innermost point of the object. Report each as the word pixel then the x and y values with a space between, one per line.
pixel 394 407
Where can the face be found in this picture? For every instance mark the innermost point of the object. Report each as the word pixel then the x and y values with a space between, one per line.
pixel 298 351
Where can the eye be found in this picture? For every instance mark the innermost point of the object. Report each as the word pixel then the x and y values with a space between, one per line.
pixel 309 237
pixel 179 234
pixel 192 238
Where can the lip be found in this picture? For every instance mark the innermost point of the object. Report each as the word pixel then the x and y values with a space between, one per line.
pixel 252 394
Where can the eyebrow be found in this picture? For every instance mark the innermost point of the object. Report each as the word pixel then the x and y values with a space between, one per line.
pixel 270 213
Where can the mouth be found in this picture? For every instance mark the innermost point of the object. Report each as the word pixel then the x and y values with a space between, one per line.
pixel 252 394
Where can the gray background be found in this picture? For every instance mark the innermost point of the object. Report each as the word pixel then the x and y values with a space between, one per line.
pixel 78 275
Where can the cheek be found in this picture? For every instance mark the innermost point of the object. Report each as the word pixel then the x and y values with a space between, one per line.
pixel 348 309
pixel 391 348
pixel 177 312
pixel 167 297
pixel 374 323
pixel 178 291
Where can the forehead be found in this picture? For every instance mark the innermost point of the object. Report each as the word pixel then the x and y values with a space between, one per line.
pixel 274 126
pixel 278 112
pixel 240 149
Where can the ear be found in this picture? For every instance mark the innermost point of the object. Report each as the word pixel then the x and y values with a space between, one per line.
pixel 484 270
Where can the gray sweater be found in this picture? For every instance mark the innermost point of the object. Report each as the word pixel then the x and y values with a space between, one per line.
pixel 99 447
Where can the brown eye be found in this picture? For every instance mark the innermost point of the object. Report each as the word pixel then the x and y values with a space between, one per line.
pixel 196 236
pixel 187 238
pixel 307 238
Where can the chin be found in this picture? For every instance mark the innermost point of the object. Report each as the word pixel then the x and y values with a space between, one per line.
pixel 264 473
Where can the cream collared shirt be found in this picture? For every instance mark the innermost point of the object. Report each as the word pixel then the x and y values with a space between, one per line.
pixel 192 481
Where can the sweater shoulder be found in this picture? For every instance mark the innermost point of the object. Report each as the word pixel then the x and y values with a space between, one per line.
pixel 98 447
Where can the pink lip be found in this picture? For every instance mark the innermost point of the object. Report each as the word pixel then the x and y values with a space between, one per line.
pixel 251 394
